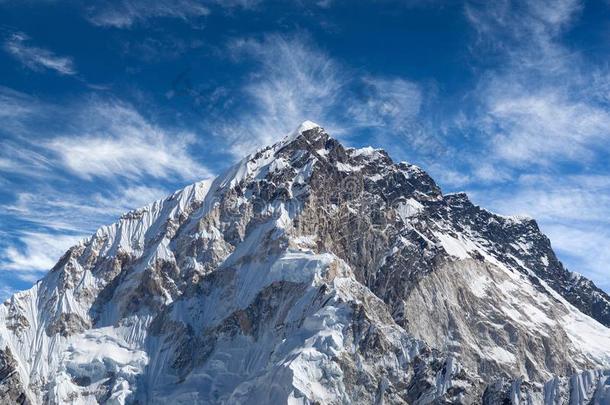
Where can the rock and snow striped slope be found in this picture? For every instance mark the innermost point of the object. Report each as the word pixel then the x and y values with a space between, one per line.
pixel 309 273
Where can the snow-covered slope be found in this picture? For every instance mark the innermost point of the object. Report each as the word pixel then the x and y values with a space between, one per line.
pixel 309 273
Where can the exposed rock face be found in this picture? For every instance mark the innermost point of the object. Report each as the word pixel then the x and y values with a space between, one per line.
pixel 521 244
pixel 11 388
pixel 309 273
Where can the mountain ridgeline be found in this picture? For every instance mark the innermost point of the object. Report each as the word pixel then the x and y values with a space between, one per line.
pixel 309 273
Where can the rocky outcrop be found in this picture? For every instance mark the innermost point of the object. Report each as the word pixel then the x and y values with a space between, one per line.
pixel 11 388
pixel 309 273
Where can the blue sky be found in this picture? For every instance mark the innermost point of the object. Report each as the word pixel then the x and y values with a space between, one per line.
pixel 107 106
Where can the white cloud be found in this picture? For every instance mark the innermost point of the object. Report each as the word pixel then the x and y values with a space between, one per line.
pixel 39 253
pixel 600 86
pixel 586 247
pixel 14 104
pixel 295 81
pixel 129 198
pixel 18 111
pixel 387 101
pixel 102 138
pixel 76 212
pixel 116 141
pixel 37 58
pixel 445 175
pixel 60 220
pixel 544 127
pixel 561 200
pixel 131 159
pixel 127 13
pixel 525 30
pixel 31 163
pixel 543 103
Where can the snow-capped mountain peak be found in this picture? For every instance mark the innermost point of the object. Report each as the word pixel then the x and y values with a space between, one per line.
pixel 309 273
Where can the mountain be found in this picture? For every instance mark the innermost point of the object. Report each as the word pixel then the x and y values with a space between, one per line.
pixel 309 273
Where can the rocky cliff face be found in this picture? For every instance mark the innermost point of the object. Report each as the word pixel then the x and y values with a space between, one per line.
pixel 309 273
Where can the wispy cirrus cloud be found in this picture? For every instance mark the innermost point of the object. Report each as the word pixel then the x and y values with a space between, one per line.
pixel 127 13
pixel 525 35
pixel 109 141
pixel 68 211
pixel 36 253
pixel 14 104
pixel 542 103
pixel 586 247
pixel 103 138
pixel 106 159
pixel 133 157
pixel 539 118
pixel 553 198
pixel 114 140
pixel 293 80
pixel 19 112
pixel 544 126
pixel 35 58
pixel 387 101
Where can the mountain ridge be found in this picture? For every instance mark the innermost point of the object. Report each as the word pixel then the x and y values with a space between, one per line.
pixel 309 272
